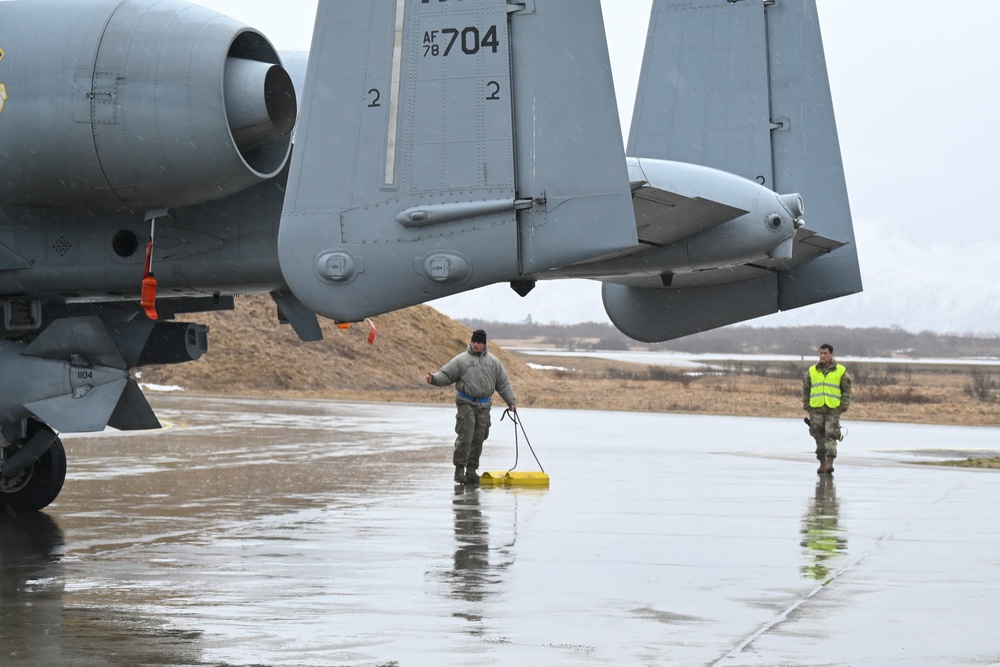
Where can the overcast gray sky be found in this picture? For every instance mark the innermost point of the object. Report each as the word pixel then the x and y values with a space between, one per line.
pixel 915 89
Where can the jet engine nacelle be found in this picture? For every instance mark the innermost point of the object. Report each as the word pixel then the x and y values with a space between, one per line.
pixel 133 105
pixel 733 220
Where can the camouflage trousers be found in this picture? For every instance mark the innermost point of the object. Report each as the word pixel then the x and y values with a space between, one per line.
pixel 824 427
pixel 472 424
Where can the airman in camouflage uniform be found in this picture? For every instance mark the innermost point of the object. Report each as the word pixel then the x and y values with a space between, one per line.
pixel 476 374
pixel 826 394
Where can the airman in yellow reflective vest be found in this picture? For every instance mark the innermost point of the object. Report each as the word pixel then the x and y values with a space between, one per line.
pixel 826 394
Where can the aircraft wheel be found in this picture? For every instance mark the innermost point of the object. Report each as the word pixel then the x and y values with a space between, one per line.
pixel 36 486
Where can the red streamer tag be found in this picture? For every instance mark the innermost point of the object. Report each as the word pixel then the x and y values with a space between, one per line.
pixel 148 299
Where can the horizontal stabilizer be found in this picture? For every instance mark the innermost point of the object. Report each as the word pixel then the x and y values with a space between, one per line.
pixel 662 217
pixel 90 412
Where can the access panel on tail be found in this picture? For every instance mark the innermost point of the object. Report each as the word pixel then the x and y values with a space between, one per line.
pixel 741 86
pixel 447 145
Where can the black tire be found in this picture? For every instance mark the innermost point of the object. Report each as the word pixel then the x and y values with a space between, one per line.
pixel 38 485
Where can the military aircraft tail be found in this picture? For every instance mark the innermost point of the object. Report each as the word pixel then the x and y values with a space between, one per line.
pixel 741 86
pixel 448 145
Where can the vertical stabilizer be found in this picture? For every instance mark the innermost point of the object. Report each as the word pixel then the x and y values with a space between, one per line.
pixel 806 153
pixel 569 148
pixel 742 86
pixel 402 170
pixel 447 145
pixel 703 89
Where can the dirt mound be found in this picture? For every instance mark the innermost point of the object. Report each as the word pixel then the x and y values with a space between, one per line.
pixel 250 352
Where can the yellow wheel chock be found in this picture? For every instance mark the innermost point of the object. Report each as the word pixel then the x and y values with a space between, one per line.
pixel 512 477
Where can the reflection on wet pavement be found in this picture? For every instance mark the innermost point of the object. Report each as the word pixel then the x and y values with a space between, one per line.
pixel 294 533
pixel 821 534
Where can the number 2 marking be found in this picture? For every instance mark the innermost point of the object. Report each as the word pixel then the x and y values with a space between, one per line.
pixel 495 90
pixel 375 100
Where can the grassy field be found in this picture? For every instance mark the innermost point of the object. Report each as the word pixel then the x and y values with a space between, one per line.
pixel 984 462
pixel 914 393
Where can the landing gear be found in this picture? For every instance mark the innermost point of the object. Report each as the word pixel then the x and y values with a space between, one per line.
pixel 37 485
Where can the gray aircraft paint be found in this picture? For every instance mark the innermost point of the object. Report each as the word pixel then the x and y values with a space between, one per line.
pixel 503 176
pixel 440 146
pixel 761 109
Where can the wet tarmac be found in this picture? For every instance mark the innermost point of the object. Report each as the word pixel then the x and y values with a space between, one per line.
pixel 310 533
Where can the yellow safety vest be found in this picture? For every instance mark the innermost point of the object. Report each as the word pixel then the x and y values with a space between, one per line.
pixel 825 387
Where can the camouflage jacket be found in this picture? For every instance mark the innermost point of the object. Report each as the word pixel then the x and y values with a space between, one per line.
pixel 476 376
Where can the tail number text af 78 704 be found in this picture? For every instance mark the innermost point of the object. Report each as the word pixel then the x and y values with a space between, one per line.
pixel 469 39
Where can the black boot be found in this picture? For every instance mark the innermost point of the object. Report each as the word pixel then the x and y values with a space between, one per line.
pixel 471 476
pixel 459 474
